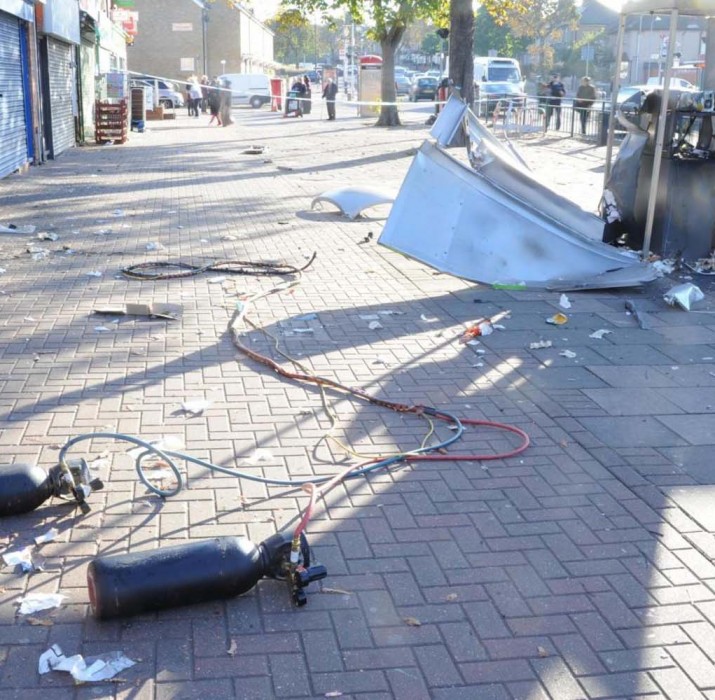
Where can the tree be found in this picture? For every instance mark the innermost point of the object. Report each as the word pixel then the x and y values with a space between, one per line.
pixel 461 62
pixel 291 35
pixel 490 35
pixel 390 19
pixel 543 23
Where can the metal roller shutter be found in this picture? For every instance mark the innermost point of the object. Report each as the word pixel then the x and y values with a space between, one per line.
pixel 13 140
pixel 60 71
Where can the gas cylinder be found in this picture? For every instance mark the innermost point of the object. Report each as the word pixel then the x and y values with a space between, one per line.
pixel 222 567
pixel 23 487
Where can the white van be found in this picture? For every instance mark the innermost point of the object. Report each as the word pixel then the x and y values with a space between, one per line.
pixel 495 69
pixel 249 88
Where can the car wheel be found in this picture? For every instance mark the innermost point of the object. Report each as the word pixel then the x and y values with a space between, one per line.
pixel 256 102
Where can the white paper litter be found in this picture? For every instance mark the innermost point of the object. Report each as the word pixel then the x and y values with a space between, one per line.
pixel 195 406
pixel 568 353
pixel 23 557
pixel 38 253
pixel 540 345
pixel 564 302
pixel 2 270
pixel 93 273
pixel 47 236
pixel 304 330
pixel 102 329
pixel 598 335
pixel 369 317
pixel 34 602
pixel 391 312
pixel 155 246
pixel 92 669
pixel 118 213
pixel 261 455
pixel 663 267
pixel 18 229
pixel 217 280
pixel 374 325
pixel 49 536
pixel 428 319
pixel 683 295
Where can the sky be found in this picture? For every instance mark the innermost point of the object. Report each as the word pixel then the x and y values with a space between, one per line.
pixel 265 9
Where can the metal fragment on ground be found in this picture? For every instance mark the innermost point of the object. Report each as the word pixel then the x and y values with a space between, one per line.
pixel 500 225
pixel 352 201
pixel 683 295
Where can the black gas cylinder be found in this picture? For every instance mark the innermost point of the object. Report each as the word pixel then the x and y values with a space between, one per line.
pixel 23 487
pixel 128 584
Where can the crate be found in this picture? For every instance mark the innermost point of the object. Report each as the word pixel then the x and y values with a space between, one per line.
pixel 111 121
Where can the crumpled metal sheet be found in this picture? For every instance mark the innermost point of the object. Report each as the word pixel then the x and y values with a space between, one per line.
pixel 352 201
pixel 497 225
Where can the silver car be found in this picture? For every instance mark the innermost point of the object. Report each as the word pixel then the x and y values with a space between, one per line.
pixel 169 95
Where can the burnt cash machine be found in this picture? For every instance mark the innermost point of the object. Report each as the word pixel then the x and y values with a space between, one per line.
pixel 684 220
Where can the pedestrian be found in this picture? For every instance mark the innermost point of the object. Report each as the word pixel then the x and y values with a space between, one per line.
pixel 556 91
pixel 224 109
pixel 330 91
pixel 205 83
pixel 214 101
pixel 298 89
pixel 195 95
pixel 585 97
pixel 307 103
pixel 189 101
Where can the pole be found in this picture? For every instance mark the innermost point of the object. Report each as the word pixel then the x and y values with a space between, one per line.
pixel 660 137
pixel 588 53
pixel 205 23
pixel 635 78
pixel 614 99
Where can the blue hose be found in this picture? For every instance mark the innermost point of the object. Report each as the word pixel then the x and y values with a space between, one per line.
pixel 166 456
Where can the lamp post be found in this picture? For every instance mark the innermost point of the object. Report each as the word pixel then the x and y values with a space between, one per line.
pixel 223 66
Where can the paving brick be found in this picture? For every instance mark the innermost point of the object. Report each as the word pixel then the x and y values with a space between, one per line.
pixel 676 684
pixel 557 678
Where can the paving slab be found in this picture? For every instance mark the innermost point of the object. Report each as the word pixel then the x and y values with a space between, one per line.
pixel 579 568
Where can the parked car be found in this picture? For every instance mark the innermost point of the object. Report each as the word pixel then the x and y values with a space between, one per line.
pixel 169 94
pixel 402 84
pixel 675 83
pixel 423 88
pixel 313 76
pixel 249 88
pixel 490 95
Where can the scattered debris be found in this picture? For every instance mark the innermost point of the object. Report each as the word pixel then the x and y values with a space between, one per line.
pixel 261 455
pixel 367 239
pixel 118 213
pixel 92 669
pixel 337 591
pixel 641 317
pixel 49 536
pixel 428 319
pixel 93 273
pixel 353 200
pixel 369 317
pixel 333 694
pixel 391 312
pixel 47 236
pixel 564 302
pixel 703 266
pixel 37 253
pixel 102 329
pixel 412 621
pixel 483 326
pixel 195 406
pixel 558 319
pixel 35 602
pixel 169 312
pixel 663 267
pixel 542 651
pixel 233 648
pixel 22 558
pixel 684 295
pixel 303 330
pixel 22 230
pixel 374 325
pixel 154 245
pixel 452 597
pixel 541 344
pixel 598 335
pixel 570 354
pixel 255 150
pixel 217 280
pixel 307 317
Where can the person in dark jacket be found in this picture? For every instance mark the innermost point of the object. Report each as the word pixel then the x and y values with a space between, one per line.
pixel 585 97
pixel 214 101
pixel 298 88
pixel 330 92
pixel 556 91
pixel 307 104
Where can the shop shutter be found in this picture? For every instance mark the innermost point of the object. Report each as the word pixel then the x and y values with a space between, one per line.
pixel 13 139
pixel 60 71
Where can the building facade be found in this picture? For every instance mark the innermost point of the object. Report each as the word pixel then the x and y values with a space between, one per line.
pixel 56 59
pixel 180 38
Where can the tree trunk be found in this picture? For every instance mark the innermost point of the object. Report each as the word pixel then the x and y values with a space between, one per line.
pixel 461 60
pixel 461 40
pixel 389 42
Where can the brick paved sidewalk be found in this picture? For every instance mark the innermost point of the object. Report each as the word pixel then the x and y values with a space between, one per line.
pixel 581 569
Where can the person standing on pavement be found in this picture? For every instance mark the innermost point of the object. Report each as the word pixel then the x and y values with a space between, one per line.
pixel 307 104
pixel 585 97
pixel 330 92
pixel 214 101
pixel 224 110
pixel 195 95
pixel 556 91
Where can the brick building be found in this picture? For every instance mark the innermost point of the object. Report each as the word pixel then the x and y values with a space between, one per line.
pixel 178 38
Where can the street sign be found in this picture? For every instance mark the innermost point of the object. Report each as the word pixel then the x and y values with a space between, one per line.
pixel 588 53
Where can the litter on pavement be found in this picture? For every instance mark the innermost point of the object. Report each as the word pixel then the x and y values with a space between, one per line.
pixel 570 354
pixel 642 318
pixel 47 236
pixel 21 557
pixel 540 345
pixel 352 201
pixel 11 228
pixel 598 335
pixel 558 319
pixel 564 302
pixel 92 669
pixel 195 406
pixel 35 602
pixel 49 536
pixel 169 312
pixel 683 295
pixel 374 325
